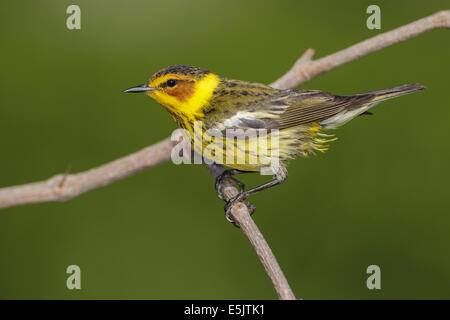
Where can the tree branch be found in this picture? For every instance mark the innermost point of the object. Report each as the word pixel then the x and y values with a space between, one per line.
pixel 241 217
pixel 64 187
pixel 305 69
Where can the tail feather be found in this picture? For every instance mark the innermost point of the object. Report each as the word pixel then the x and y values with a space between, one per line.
pixel 372 98
pixel 384 94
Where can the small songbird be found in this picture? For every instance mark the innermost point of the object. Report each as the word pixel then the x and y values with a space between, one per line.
pixel 299 117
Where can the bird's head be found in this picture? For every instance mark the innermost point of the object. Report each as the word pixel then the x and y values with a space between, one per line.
pixel 180 88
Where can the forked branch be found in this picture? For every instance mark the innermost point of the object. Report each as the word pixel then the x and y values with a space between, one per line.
pixel 66 186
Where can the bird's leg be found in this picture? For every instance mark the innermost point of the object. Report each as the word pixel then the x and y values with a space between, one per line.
pixel 228 174
pixel 279 177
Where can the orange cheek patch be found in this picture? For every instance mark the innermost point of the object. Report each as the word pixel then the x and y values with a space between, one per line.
pixel 182 91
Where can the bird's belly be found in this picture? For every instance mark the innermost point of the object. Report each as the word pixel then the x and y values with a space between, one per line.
pixel 250 152
pixel 254 151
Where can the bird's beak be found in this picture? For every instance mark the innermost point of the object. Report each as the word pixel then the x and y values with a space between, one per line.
pixel 142 88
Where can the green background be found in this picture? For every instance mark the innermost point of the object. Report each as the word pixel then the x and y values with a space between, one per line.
pixel 379 196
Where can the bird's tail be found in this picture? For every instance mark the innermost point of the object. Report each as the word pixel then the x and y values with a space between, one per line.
pixel 367 101
pixel 384 94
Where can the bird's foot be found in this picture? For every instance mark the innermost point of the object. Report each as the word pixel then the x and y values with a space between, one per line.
pixel 227 175
pixel 240 197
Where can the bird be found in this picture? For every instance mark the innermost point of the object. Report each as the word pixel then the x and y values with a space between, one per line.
pixel 205 105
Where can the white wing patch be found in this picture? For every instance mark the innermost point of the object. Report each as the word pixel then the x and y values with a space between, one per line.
pixel 239 119
pixel 254 119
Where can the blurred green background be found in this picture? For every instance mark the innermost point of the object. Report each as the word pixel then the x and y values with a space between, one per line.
pixel 379 196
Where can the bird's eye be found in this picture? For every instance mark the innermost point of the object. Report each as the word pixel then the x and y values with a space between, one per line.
pixel 171 83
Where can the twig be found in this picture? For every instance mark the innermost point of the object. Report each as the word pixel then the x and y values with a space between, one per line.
pixel 64 187
pixel 304 70
pixel 242 218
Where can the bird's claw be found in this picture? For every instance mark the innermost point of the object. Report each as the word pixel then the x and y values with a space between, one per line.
pixel 240 197
pixel 227 175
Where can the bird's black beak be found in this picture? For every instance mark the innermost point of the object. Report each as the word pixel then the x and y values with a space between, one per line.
pixel 138 89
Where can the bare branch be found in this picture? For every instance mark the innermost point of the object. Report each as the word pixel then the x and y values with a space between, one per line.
pixel 305 69
pixel 242 218
pixel 64 187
